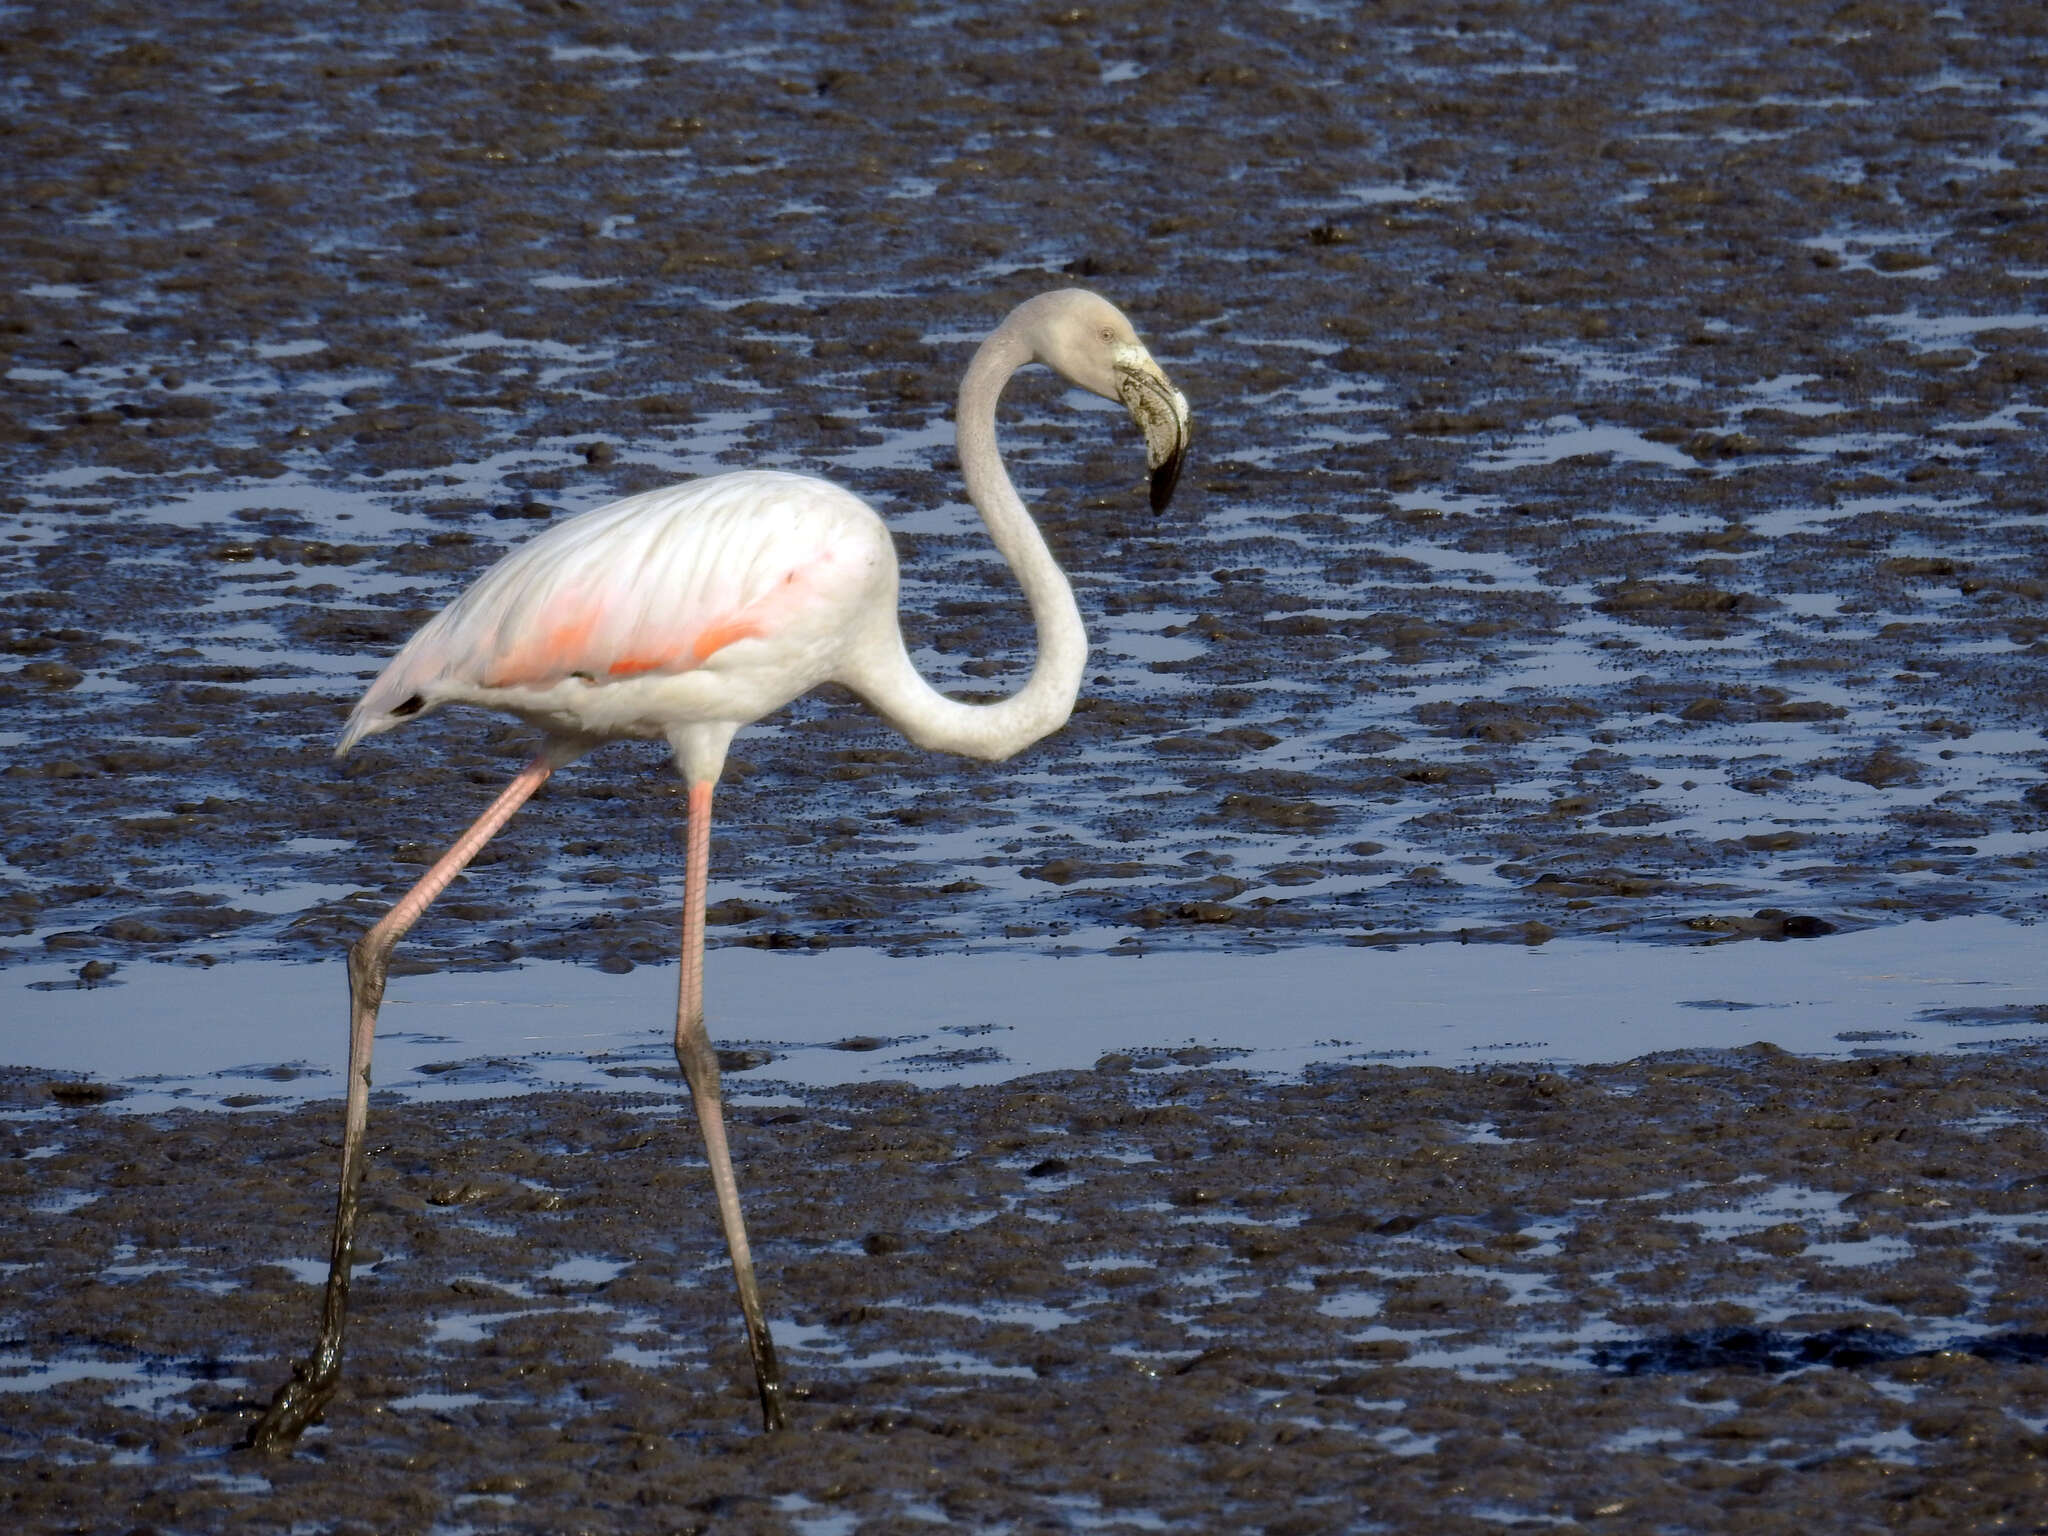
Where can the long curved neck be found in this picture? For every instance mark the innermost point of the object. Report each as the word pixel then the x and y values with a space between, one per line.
pixel 1043 704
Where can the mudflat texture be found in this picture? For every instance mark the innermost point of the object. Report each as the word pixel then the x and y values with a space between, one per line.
pixel 1616 505
pixel 1748 1293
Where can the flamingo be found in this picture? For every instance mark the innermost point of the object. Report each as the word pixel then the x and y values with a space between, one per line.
pixel 680 615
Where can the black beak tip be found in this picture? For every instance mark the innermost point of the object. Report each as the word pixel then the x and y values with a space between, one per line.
pixel 1164 479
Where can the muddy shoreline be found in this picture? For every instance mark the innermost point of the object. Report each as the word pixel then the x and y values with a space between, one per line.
pixel 1732 1291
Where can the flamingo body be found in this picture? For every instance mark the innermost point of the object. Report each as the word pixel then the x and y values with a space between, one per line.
pixel 713 602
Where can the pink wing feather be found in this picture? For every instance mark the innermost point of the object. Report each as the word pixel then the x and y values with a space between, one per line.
pixel 656 583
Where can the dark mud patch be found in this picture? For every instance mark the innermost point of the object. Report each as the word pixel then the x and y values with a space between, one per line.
pixel 1739 1291
pixel 1618 456
pixel 1768 1351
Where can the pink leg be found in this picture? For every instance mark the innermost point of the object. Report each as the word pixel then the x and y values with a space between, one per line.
pixel 694 1054
pixel 314 1378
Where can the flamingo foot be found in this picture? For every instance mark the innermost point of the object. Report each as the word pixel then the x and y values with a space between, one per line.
pixel 297 1404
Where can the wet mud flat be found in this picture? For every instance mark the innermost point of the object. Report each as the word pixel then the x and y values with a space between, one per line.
pixel 1617 509
pixel 1617 502
pixel 1735 1291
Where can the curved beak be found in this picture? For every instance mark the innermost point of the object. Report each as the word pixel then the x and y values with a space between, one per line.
pixel 1161 412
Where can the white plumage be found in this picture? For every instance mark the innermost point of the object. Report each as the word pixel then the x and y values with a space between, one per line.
pixel 758 579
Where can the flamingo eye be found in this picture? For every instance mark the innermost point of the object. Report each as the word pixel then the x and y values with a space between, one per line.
pixel 1108 334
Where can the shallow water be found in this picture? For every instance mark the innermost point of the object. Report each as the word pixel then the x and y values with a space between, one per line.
pixel 257 1034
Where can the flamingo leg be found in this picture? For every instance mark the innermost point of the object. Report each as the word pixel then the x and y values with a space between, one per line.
pixel 314 1378
pixel 694 1054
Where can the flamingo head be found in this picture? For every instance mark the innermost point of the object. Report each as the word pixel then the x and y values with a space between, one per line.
pixel 1086 340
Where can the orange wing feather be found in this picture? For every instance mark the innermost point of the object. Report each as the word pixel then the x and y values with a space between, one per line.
pixel 564 649
pixel 721 634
